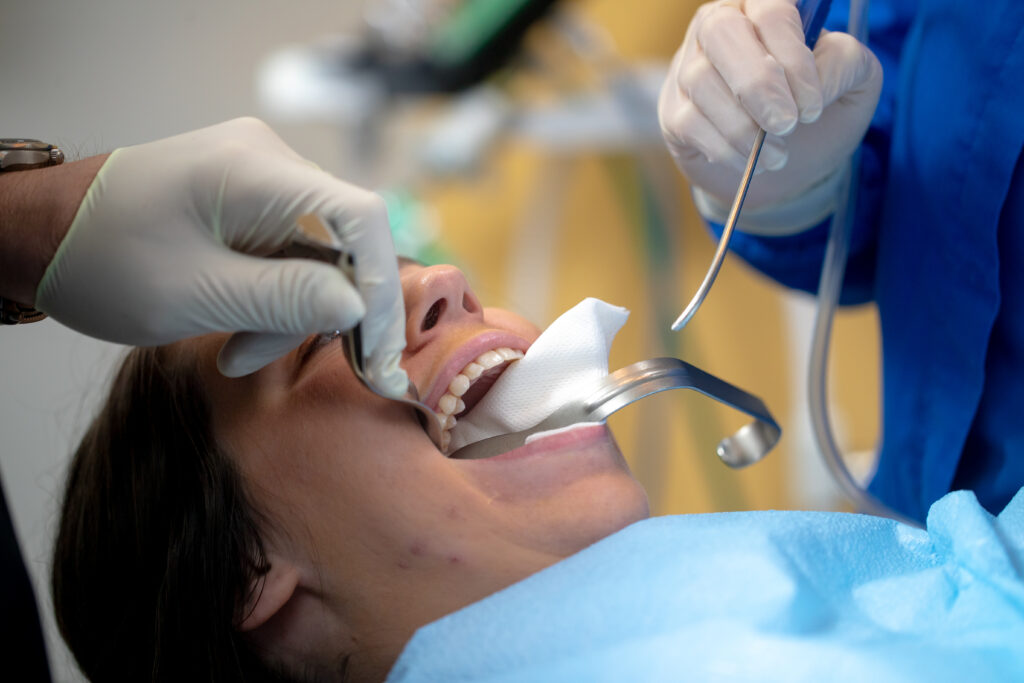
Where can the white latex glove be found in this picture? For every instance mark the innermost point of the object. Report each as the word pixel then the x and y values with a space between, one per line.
pixel 167 244
pixel 744 65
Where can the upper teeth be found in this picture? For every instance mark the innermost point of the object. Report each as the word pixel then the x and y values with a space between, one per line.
pixel 451 402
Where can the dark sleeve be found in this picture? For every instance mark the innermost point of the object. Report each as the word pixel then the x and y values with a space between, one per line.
pixel 21 638
pixel 795 260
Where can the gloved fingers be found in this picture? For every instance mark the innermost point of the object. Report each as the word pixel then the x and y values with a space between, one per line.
pixel 246 352
pixel 731 44
pixel 777 23
pixel 357 218
pixel 710 94
pixel 284 296
pixel 382 364
pixel 361 224
pixel 846 67
pixel 691 137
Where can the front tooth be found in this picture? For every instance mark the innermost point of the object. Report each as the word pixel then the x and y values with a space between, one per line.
pixel 472 371
pixel 459 385
pixel 447 404
pixel 449 422
pixel 508 354
pixel 490 359
pixel 460 405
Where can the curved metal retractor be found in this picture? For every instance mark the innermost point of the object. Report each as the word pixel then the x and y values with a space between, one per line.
pixel 640 380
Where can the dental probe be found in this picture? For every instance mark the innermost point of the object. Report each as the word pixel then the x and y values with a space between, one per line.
pixel 812 18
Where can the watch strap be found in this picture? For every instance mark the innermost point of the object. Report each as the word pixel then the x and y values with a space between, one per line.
pixel 20 154
pixel 13 313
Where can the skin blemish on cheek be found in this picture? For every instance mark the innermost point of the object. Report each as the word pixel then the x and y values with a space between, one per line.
pixel 452 512
pixel 417 549
pixel 454 559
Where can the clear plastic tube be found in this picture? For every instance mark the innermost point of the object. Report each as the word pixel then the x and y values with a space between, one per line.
pixel 832 272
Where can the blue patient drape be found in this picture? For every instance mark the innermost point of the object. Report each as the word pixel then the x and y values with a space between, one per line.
pixel 765 596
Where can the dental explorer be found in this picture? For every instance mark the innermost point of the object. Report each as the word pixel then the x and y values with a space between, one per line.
pixel 812 18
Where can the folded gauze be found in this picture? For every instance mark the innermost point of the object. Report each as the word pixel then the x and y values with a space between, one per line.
pixel 565 361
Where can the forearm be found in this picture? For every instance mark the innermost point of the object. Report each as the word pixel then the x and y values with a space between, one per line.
pixel 36 210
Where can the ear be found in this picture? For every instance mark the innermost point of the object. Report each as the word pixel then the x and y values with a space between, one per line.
pixel 269 593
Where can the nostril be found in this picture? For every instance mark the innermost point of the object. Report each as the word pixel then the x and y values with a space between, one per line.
pixel 433 315
pixel 467 304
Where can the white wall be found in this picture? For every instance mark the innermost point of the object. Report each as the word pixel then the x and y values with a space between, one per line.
pixel 92 75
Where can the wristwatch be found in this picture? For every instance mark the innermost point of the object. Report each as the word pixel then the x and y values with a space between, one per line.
pixel 21 155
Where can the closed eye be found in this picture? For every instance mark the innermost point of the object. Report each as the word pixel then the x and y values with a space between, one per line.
pixel 314 344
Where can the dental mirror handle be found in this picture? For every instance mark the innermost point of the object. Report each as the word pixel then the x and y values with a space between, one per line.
pixel 812 18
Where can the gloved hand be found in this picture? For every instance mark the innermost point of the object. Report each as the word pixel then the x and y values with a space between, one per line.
pixel 744 65
pixel 167 244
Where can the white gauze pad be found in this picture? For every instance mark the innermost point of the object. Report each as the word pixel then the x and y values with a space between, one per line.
pixel 565 361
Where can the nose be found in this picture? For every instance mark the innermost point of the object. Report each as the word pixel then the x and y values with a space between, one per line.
pixel 436 297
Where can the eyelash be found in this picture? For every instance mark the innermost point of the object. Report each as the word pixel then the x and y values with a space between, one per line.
pixel 322 340
pixel 317 343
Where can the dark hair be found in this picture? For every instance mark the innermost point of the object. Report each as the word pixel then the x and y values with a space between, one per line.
pixel 158 545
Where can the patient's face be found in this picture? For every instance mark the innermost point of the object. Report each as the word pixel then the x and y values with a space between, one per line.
pixel 389 525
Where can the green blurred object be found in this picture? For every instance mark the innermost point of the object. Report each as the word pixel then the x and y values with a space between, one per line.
pixel 473 26
pixel 414 228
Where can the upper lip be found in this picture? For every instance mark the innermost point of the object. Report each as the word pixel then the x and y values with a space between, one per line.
pixel 492 339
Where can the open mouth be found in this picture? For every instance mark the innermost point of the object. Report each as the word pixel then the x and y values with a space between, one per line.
pixel 470 385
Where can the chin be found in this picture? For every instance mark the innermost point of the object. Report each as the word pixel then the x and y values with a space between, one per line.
pixel 597 508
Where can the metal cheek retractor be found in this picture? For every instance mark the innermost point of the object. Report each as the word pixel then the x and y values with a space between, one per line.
pixel 639 380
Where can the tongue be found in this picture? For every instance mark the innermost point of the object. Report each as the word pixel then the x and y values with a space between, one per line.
pixel 563 363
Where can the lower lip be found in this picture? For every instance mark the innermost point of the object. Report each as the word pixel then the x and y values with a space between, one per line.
pixel 548 464
pixel 579 437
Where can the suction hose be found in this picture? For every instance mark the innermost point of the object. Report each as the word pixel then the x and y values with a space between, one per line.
pixel 833 269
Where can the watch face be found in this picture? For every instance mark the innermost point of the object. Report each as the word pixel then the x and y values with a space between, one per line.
pixel 20 143
pixel 17 154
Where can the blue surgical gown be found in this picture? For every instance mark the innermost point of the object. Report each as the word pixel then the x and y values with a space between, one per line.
pixel 938 245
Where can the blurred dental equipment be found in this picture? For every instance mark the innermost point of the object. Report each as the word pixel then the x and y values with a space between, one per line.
pixel 363 82
pixel 812 19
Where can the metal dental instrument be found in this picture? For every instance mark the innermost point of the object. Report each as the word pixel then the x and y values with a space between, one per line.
pixel 812 18
pixel 639 380
pixel 352 340
pixel 352 343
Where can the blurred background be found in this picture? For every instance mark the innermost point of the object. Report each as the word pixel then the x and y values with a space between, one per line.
pixel 517 139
